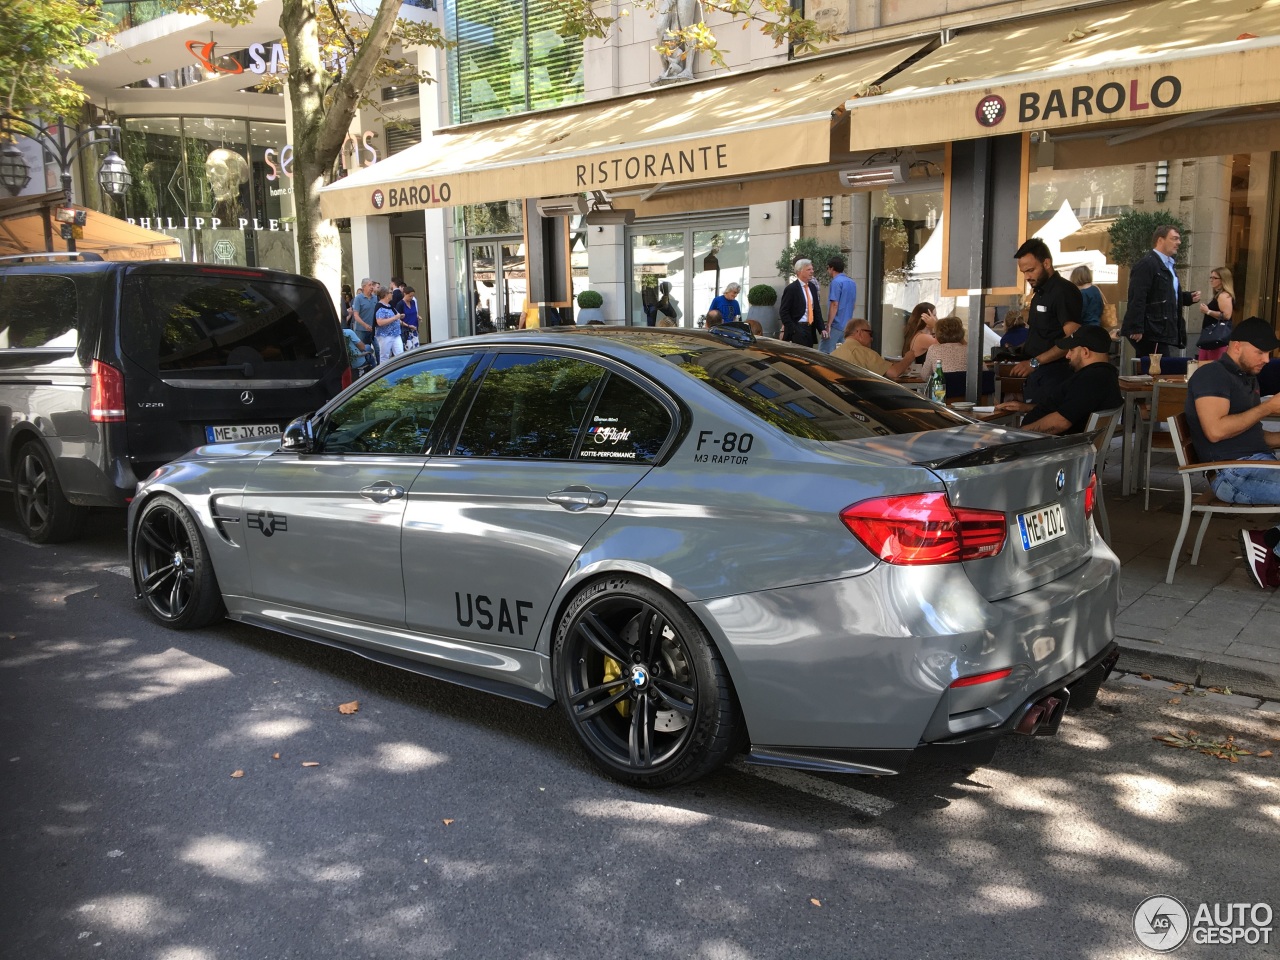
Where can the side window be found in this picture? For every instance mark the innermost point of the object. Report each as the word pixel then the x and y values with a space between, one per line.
pixel 529 406
pixel 38 310
pixel 394 413
pixel 628 424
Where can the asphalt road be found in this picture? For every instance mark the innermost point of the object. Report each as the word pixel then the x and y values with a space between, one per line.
pixel 439 822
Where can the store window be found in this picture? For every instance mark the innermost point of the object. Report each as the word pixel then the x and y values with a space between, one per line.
pixel 677 272
pixel 222 187
pixel 509 57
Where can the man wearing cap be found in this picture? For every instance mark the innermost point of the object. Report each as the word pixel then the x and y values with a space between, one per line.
pixel 1094 385
pixel 1225 413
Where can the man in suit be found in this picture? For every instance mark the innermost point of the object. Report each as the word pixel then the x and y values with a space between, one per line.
pixel 1154 320
pixel 799 309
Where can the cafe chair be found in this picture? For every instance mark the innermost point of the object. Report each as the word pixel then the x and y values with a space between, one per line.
pixel 1205 503
pixel 1167 398
pixel 958 383
pixel 1102 425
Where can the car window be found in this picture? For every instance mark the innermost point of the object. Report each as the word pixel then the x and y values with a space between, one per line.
pixel 393 413
pixel 39 310
pixel 529 406
pixel 806 393
pixel 219 323
pixel 627 424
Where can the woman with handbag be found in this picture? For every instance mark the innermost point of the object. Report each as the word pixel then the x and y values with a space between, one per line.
pixel 1216 330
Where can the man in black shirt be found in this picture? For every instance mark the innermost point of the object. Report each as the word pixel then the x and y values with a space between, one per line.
pixel 1094 385
pixel 1054 313
pixel 1224 414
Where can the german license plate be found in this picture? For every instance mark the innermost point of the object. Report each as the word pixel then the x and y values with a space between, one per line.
pixel 242 431
pixel 1041 526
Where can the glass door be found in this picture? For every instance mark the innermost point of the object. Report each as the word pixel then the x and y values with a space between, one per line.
pixel 496 276
pixel 677 272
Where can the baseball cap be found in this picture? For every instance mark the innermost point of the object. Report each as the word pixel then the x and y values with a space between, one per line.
pixel 1258 332
pixel 1088 336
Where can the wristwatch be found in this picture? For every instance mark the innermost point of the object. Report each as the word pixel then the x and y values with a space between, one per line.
pixel 1035 362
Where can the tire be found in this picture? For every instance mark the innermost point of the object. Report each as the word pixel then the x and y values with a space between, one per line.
pixel 45 513
pixel 172 569
pixel 642 686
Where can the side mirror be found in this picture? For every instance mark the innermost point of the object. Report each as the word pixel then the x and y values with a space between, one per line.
pixel 299 436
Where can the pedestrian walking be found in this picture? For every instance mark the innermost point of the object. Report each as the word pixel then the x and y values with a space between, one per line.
pixel 390 344
pixel 1154 320
pixel 842 295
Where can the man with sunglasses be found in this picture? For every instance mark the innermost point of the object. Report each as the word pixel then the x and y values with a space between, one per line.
pixel 856 348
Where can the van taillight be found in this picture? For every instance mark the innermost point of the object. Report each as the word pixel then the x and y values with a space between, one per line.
pixel 346 376
pixel 923 528
pixel 106 394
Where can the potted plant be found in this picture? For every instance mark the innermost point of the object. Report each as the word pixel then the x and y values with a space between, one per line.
pixel 589 304
pixel 761 299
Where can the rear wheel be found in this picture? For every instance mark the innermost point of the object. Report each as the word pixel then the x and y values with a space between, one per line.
pixel 643 687
pixel 45 513
pixel 172 569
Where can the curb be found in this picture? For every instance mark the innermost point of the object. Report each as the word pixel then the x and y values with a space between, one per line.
pixel 1202 672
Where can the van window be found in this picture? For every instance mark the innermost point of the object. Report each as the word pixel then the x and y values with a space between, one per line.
pixel 225 325
pixel 38 310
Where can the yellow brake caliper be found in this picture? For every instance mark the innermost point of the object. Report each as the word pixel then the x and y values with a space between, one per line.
pixel 613 671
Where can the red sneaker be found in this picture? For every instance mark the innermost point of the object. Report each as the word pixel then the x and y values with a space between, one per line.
pixel 1259 559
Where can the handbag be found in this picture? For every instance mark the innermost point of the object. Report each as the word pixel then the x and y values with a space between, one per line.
pixel 1215 335
pixel 1110 319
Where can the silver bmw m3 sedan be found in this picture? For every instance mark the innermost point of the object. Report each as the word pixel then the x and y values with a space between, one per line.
pixel 697 544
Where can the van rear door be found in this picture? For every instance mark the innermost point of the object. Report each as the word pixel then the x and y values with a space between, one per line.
pixel 212 354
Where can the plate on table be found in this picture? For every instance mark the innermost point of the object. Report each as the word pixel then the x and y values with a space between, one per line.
pixel 984 409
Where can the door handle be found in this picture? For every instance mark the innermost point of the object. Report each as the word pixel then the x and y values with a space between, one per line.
pixel 382 491
pixel 575 498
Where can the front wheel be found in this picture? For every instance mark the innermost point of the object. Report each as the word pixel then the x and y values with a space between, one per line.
pixel 171 567
pixel 642 685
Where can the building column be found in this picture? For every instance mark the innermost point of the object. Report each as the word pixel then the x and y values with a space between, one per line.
pixel 768 232
pixel 607 269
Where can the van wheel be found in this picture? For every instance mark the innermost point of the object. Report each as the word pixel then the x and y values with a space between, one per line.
pixel 45 513
pixel 172 569
pixel 642 685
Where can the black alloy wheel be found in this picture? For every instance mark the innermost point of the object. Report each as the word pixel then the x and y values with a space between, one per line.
pixel 171 567
pixel 642 686
pixel 45 513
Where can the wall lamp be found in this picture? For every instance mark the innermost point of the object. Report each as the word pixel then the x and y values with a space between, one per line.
pixel 1162 180
pixel 827 204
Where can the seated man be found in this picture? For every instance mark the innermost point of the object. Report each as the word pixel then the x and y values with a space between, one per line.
pixel 714 319
pixel 856 348
pixel 1225 416
pixel 1094 385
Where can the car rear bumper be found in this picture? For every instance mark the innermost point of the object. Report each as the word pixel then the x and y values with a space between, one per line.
pixel 853 667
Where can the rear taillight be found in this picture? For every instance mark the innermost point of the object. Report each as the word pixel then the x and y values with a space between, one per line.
pixel 106 394
pixel 346 376
pixel 923 528
pixel 978 678
pixel 1090 496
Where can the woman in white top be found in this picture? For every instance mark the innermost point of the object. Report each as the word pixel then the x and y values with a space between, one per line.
pixel 951 348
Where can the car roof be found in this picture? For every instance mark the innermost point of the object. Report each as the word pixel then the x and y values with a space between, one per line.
pixel 653 341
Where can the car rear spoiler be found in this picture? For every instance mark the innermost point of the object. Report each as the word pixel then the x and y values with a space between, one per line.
pixel 1006 452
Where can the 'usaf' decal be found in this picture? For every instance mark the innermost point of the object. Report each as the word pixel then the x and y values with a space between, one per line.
pixel 268 522
pixel 480 612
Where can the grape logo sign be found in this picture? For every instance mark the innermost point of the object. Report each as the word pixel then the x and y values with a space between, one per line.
pixel 990 111
pixel 378 199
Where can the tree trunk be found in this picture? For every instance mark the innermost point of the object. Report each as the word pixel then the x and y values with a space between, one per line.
pixel 321 118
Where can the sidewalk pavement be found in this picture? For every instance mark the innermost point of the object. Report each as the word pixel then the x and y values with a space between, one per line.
pixel 1213 626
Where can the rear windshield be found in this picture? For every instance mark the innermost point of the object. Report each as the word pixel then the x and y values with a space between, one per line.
pixel 223 324
pixel 806 393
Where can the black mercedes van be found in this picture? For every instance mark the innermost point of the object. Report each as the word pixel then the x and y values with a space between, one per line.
pixel 109 370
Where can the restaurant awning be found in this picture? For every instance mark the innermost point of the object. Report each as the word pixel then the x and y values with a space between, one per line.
pixel 1164 63
pixel 722 129
pixel 23 230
